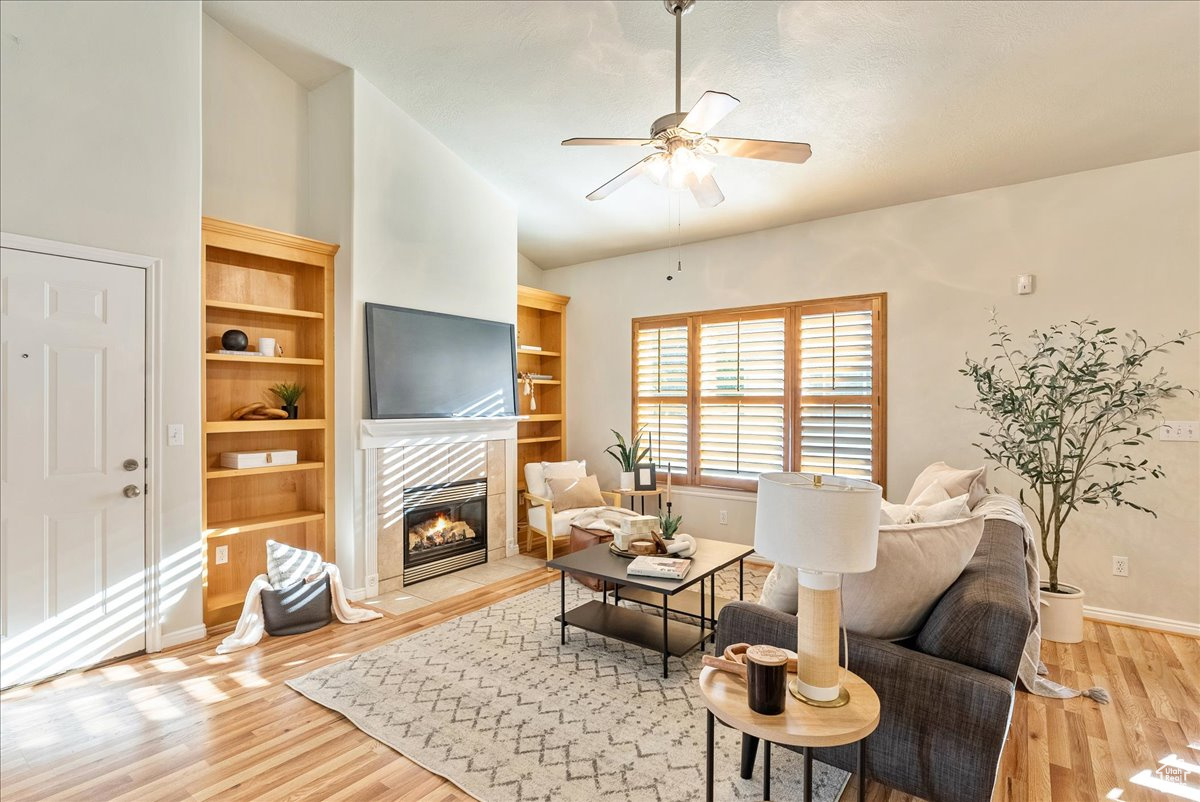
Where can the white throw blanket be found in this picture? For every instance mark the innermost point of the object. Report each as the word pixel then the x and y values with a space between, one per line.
pixel 250 626
pixel 605 519
pixel 1032 670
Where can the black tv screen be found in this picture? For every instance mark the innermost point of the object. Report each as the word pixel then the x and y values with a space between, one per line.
pixel 430 365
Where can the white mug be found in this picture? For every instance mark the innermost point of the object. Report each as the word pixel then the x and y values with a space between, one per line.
pixel 266 345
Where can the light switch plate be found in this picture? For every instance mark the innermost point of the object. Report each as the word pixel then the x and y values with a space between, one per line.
pixel 174 434
pixel 1180 430
pixel 1024 284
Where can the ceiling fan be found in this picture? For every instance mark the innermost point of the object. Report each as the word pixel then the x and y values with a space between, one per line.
pixel 681 141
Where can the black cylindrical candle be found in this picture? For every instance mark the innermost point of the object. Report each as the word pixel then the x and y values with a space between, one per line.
pixel 766 679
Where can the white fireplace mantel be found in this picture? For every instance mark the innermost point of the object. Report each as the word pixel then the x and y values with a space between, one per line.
pixel 427 431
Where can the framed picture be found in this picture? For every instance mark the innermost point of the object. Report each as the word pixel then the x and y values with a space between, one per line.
pixel 644 476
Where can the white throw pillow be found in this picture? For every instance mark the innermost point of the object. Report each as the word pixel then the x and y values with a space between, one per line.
pixel 954 481
pixel 537 480
pixel 952 509
pixel 288 565
pixel 892 514
pixel 779 589
pixel 915 566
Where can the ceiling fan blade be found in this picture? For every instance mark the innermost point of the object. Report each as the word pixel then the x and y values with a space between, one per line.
pixel 604 190
pixel 705 191
pixel 581 140
pixel 709 110
pixel 768 149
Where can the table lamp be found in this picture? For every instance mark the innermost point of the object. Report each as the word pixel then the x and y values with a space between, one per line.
pixel 824 526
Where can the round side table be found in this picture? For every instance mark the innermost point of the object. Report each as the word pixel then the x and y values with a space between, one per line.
pixel 799 724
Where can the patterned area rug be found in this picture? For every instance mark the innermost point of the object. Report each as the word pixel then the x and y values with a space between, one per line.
pixel 493 702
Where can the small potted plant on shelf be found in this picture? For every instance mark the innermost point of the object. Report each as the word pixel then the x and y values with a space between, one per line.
pixel 1067 414
pixel 669 524
pixel 627 456
pixel 289 394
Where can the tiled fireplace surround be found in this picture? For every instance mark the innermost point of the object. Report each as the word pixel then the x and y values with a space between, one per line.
pixel 401 455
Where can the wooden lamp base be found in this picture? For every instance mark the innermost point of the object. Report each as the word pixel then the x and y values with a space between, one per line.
pixel 818 619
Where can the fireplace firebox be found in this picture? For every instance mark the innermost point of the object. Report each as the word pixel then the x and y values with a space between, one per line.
pixel 445 529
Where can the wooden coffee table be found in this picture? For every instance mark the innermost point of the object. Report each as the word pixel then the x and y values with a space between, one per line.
pixel 798 725
pixel 671 638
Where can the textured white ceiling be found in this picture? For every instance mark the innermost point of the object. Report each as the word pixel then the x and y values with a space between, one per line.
pixel 900 101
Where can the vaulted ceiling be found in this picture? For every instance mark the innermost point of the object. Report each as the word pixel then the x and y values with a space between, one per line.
pixel 900 101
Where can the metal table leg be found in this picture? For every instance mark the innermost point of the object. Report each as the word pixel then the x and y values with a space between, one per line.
pixel 741 580
pixel 703 620
pixel 664 653
pixel 712 605
pixel 862 770
pixel 808 774
pixel 562 603
pixel 708 761
pixel 766 770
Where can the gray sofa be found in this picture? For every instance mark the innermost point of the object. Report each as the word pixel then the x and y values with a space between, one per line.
pixel 946 695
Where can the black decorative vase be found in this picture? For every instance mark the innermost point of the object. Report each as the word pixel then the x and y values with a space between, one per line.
pixel 293 411
pixel 234 340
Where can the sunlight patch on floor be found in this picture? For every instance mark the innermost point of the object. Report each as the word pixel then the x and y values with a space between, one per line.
pixel 169 665
pixel 202 690
pixel 152 705
pixel 249 679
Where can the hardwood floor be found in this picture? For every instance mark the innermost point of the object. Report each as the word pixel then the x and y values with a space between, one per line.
pixel 188 724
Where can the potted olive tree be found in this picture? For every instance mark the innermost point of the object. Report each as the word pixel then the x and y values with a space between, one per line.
pixel 1067 413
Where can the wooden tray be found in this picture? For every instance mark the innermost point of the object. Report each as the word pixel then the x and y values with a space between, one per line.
pixel 629 555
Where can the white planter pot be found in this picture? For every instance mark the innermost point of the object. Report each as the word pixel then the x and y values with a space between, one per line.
pixel 626 480
pixel 1062 614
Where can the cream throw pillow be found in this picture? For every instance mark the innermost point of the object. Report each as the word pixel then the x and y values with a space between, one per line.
pixel 575 494
pixel 916 564
pixel 954 481
pixel 571 469
pixel 932 505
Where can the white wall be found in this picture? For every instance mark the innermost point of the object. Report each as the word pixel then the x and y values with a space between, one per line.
pixel 100 145
pixel 528 273
pixel 418 228
pixel 1121 244
pixel 255 137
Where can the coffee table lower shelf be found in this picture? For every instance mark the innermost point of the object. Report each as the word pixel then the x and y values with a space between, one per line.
pixel 636 627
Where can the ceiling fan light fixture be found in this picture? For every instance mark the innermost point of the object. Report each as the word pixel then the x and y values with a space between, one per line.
pixel 678 169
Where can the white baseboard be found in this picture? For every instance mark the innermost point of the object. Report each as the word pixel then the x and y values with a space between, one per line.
pixel 356 594
pixel 181 636
pixel 1143 621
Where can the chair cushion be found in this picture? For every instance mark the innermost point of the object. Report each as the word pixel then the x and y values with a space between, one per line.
pixel 575 494
pixel 536 474
pixel 562 519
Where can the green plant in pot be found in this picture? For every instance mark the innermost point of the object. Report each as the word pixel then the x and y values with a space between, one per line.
pixel 627 455
pixel 289 394
pixel 1068 411
pixel 669 524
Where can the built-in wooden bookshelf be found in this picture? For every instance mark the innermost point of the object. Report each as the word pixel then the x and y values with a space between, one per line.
pixel 541 349
pixel 278 286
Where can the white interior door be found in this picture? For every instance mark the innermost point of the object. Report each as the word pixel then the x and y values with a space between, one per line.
pixel 72 463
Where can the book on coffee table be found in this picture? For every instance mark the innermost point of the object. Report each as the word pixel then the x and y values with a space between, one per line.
pixel 659 567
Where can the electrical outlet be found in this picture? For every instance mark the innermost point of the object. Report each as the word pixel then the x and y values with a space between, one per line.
pixel 724 517
pixel 174 434
pixel 222 555
pixel 1120 566
pixel 1179 430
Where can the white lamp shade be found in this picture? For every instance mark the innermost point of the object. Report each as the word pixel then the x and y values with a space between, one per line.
pixel 833 527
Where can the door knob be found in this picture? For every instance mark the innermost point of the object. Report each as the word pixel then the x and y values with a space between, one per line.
pixel 131 464
pixel 132 491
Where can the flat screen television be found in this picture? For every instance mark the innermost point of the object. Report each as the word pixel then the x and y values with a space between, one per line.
pixel 430 365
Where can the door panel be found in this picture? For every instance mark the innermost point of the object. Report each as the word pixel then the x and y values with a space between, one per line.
pixel 72 545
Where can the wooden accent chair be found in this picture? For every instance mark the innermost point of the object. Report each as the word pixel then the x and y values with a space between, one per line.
pixel 541 515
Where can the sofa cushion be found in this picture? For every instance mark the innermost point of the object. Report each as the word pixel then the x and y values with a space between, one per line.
pixel 916 563
pixel 954 481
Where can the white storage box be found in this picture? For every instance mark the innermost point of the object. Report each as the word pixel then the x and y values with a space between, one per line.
pixel 639 524
pixel 257 459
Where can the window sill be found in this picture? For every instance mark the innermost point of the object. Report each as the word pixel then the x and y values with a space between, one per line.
pixel 714 492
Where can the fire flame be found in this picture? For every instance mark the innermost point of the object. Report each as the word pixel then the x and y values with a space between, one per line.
pixel 441 523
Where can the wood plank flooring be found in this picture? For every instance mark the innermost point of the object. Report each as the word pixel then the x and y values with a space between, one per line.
pixel 190 725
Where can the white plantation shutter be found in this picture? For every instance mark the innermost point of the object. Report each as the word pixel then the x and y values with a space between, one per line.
pixel 743 425
pixel 839 405
pixel 661 403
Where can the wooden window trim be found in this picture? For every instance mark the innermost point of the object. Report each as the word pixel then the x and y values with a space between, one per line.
pixel 791 399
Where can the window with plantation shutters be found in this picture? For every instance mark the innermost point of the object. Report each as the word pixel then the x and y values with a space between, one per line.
pixel 733 393
pixel 661 392
pixel 743 396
